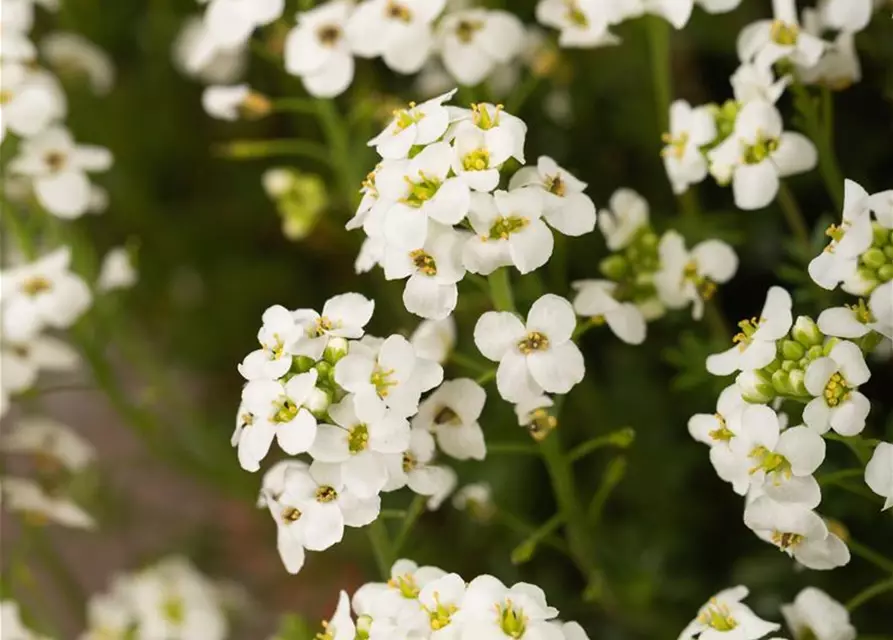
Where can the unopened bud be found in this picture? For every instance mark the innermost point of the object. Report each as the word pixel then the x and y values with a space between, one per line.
pixel 788 365
pixel 885 273
pixel 614 267
pixel 364 625
pixel 792 350
pixel 335 350
pixel 523 552
pixel 781 382
pixel 807 332
pixel 828 346
pixel 326 372
pixel 623 437
pixel 879 234
pixel 302 364
pixel 874 258
pixel 318 402
pixel 796 381
pixel 755 387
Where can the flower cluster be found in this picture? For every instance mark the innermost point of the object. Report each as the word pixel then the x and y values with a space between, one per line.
pixel 353 403
pixel 428 602
pixel 812 614
pixel 433 208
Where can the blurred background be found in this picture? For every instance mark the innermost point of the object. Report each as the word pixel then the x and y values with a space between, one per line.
pixel 212 256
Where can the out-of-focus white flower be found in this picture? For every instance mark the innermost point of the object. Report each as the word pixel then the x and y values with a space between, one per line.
pixel 47 438
pixel 225 102
pixel 750 82
pixel 582 23
pixel 850 16
pixel 196 54
pixel 879 473
pixel 477 499
pixel 451 413
pixel 110 614
pixel 725 615
pixel 626 214
pixel 72 53
pixel 117 271
pixel 343 316
pixel 474 41
pixel 415 468
pixel 317 49
pixel 10 617
pixel 58 169
pixel 690 129
pixel 595 300
pixel 815 614
pixel 32 99
pixel 566 207
pixel 277 335
pixel 839 66
pixel 21 494
pixel 834 381
pixel 416 125
pixel 765 42
pixel 22 362
pixel 230 23
pixel 434 339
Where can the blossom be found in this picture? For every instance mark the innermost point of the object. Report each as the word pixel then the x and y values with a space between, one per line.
pixel 718 431
pixel 879 473
pixel 397 30
pixel 360 441
pixel 582 23
pixel 11 622
pixel 276 337
pixel 839 260
pixel 751 82
pixel 443 599
pixel 726 616
pixel 850 16
pixel 451 413
pixel 595 300
pixel 415 468
pixel 692 276
pixel 230 23
pixel 833 381
pixel 533 414
pixel 758 153
pixel 815 614
pixel 473 42
pixel 110 613
pixel 50 440
pixel 839 66
pixel 492 610
pixel 798 531
pixel 58 168
pixel 765 42
pixel 116 271
pixel 479 153
pixel 421 192
pixel 21 362
pixel 434 339
pixel 417 125
pixel 32 99
pixel 70 52
pixel 317 49
pixel 755 345
pixel 498 128
pixel 852 321
pixel 626 215
pixel 881 306
pixel 41 294
pixel 196 54
pixel 690 129
pixel 343 316
pixel 566 207
pixel 341 625
pixel 536 357
pixel 225 102
pixel 394 376
pixel 509 231
pixel 477 499
pixel 26 496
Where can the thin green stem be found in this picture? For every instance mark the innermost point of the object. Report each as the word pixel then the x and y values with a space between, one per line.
pixel 525 550
pixel 71 589
pixel 836 476
pixel 469 362
pixel 381 547
pixel 501 290
pixel 486 377
pixel 337 136
pixel 521 93
pixel 249 149
pixel 516 524
pixel 870 555
pixel 512 449
pixel 612 476
pixel 621 438
pixel 871 592
pixel 818 124
pixel 416 509
pixel 793 215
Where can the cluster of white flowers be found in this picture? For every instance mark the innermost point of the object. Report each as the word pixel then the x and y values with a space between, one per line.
pixel 743 142
pixel 170 599
pixel 812 614
pixel 353 403
pixel 427 602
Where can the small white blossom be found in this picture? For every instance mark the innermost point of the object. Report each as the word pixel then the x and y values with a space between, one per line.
pixel 492 610
pixel 230 23
pixel 474 41
pixel 879 473
pixel 839 260
pixel 22 362
pixel 881 306
pixel 11 621
pixel 225 102
pixel 478 154
pixel 317 49
pixel 343 316
pixel 566 207
pixel 850 16
pixel 69 52
pixel 417 125
pixel 690 129
pixel 582 23
pixel 726 616
pixel 497 126
pixel 196 54
pixel 751 82
pixel 277 335
pixel 765 42
pixel 476 498
pixel 21 494
pixel 116 271
pixel 595 300
pixel 32 99
pixel 48 439
pixel 839 66
pixel 451 413
pixel 718 431
pixel 626 214
pixel 815 614
pixel 415 468
pixel 834 381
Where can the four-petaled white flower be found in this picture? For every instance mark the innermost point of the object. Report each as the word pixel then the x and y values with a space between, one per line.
pixel 595 300
pixel 434 339
pixel 49 440
pixel 492 610
pixel 582 23
pixel 840 259
pixel 566 207
pixel 472 42
pixel 343 316
pixel 479 153
pixel 26 496
pixel 536 357
pixel 834 381
pixel 317 49
pixel 230 23
pixel 276 337
pixel 815 614
pixel 626 215
pixel 32 99
pixel 451 413
pixel 726 616
pixel 879 473
pixel 765 42
pixel 718 431
pixel 416 125
pixel 690 129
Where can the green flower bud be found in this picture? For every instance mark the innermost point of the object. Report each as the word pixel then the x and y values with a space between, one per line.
pixel 773 366
pixel 335 350
pixel 885 273
pixel 807 332
pixel 318 403
pixel 795 380
pixel 614 267
pixel 792 350
pixel 781 383
pixel 523 552
pixel 866 274
pixel 623 437
pixel 326 371
pixel 649 240
pixel 756 387
pixel 833 342
pixel 874 258
pixel 302 364
pixel 789 365
pixel 888 251
pixel 879 235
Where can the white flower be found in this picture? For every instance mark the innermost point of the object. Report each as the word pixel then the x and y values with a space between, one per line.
pixel 21 362
pixel 781 463
pixel 839 261
pixel 751 82
pixel 509 231
pixel 725 616
pixel 110 614
pixel 474 41
pixel 58 168
pixel 68 52
pixel 417 125
pixel 879 473
pixel 397 600
pixel 691 277
pixel 718 431
pixel 279 411
pixel 533 414
pixel 758 153
pixel 230 23
pixel 397 30
pixel 834 381
pixel 853 321
pixel 196 54
pixel 318 51
pixel 626 214
pixel 48 439
pixel 815 614
pixel 394 376
pixel 571 630
pixel 582 23
pixel 277 335
pixel 451 413
pixel 11 621
pixel 414 468
pixel 21 494
pixel 360 442
pixel 492 610
pixel 755 344
pixel 798 531
pixel 343 316
pixel 850 16
pixel 765 42
pixel 442 600
pixel 273 481
pixel 534 358
pixel 434 339
pixel 690 129
pixel 41 294
pixel 479 153
pixel 117 271
pixel 595 300
pixel 225 102
pixel 565 205
pixel 32 99
pixel 497 126
pixel 839 66
pixel 476 498
pixel 881 306
pixel 421 192
pixel 341 625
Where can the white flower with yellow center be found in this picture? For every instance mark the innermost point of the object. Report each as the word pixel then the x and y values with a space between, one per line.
pixel 533 414
pixel 718 431
pixel 398 598
pixel 478 154
pixel 582 23
pixel 441 600
pixel 879 473
pixel 472 42
pixel 110 615
pixel 765 42
pixel 276 337
pixel 595 300
pixel 492 121
pixel 22 362
pixel 849 321
pixel 750 82
pixel 31 99
pixel 626 215
pixel 317 49
pixel 397 30
pixel 72 54
pixel 798 531
pixel 343 316
pixel 231 102
pixel 509 230
pixel 451 413
pixel 850 239
pixel 360 442
pixel 414 468
pixel 566 208
pixel 691 277
pixel 815 614
pixel 690 129
pixel 726 616
pixel 536 357
pixel 341 625
pixel 834 382
pixel 492 610
pixel 230 23
pixel 755 345
pixel 839 66
pixel 49 441
pixel 417 125
pixel 39 507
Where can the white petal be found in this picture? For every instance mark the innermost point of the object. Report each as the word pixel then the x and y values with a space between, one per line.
pixel 513 380
pixel 755 185
pixel 558 369
pixel 848 418
pixel 795 154
pixel 496 332
pixel 804 449
pixel 65 194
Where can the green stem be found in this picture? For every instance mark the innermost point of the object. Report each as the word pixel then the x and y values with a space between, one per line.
pixel 295 105
pixel 611 478
pixel 871 592
pixel 412 515
pixel 793 215
pixel 819 127
pixel 337 136
pixel 516 524
pixel 525 550
pixel 468 362
pixel 621 438
pixel 249 149
pixel 501 290
pixel 521 93
pixel 485 377
pixel 512 448
pixel 870 555
pixel 381 547
pixel 836 476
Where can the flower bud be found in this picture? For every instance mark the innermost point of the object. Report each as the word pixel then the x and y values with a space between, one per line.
pixel 885 273
pixel 523 552
pixel 364 625
pixel 326 372
pixel 318 402
pixel 335 350
pixel 773 366
pixel 807 332
pixel 874 258
pixel 788 365
pixel 755 387
pixel 255 106
pixel 815 352
pixel 302 364
pixel 614 267
pixel 888 251
pixel 879 234
pixel 623 437
pixel 792 350
pixel 795 380
pixel 867 275
pixel 781 382
pixel 826 349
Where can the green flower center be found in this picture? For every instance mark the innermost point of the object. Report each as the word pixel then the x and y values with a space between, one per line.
pixel 504 226
pixel 36 285
pixel 784 34
pixel 862 312
pixel 748 328
pixel 535 341
pixel 512 621
pixel 404 118
pixel 286 412
pixel 705 286
pixel 722 432
pixel 769 461
pixel 575 15
pixel 326 493
pixel 320 327
pixel 358 439
pixel 760 150
pixel 424 262
pixel 477 160
pixel 675 146
pixel 381 380
pixel 422 191
pixel 406 585
pixel 466 29
pixel 173 610
pixel 717 616
pixel 441 615
pixel 482 118
pixel 837 390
